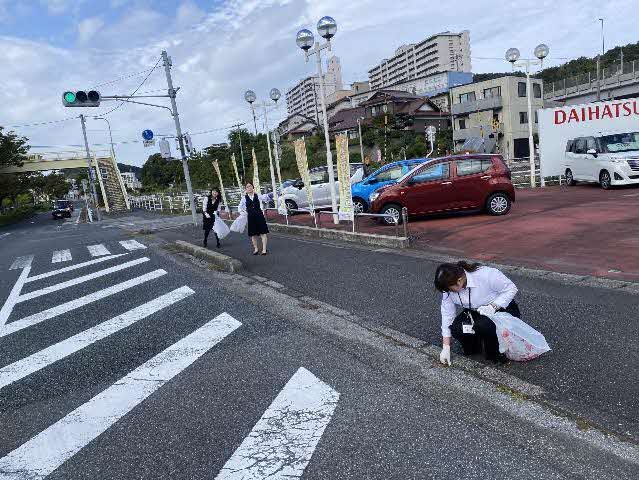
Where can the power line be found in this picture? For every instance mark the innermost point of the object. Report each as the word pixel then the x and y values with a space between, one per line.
pixel 50 122
pixel 124 77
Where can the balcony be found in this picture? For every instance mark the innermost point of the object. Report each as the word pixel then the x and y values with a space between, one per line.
pixel 475 132
pixel 489 103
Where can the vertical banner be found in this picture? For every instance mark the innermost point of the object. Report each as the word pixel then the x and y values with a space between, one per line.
pixel 302 166
pixel 216 166
pixel 256 175
pixel 344 178
pixel 237 174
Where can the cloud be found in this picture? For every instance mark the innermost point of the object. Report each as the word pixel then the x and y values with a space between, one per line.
pixel 87 28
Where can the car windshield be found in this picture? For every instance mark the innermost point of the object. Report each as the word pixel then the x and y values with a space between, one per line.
pixel 620 142
pixel 61 204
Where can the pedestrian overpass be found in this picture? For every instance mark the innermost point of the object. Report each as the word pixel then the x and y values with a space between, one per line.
pixel 111 189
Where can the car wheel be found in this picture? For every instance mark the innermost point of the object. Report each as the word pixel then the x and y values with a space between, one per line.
pixel 605 180
pixel 290 205
pixel 498 204
pixel 359 206
pixel 570 180
pixel 395 211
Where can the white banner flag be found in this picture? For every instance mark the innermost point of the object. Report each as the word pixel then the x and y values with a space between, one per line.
pixel 344 178
pixel 216 166
pixel 237 174
pixel 302 166
pixel 256 175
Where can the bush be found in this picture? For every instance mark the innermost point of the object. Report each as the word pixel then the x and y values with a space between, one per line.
pixel 16 214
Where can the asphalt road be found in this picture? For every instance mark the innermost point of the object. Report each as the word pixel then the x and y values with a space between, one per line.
pixel 144 364
pixel 591 371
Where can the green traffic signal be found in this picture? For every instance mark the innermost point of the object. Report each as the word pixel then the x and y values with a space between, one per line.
pixel 69 97
pixel 81 98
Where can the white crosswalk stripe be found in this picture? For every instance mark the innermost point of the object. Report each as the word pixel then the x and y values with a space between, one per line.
pixel 98 250
pixel 78 280
pixel 21 262
pixel 78 302
pixel 132 245
pixel 283 440
pixel 44 453
pixel 61 256
pixel 70 268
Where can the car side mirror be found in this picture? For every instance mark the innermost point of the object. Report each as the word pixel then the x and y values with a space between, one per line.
pixel 592 152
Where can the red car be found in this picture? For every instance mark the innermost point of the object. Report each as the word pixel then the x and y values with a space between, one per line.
pixel 449 184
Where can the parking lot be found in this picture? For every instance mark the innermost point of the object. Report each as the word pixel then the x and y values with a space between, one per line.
pixel 582 230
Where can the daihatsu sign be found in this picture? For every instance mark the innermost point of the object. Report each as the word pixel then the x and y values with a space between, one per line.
pixel 558 126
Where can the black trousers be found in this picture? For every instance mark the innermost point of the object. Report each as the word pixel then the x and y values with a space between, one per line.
pixel 206 236
pixel 485 335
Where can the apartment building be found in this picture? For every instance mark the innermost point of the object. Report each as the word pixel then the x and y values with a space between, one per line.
pixel 130 181
pixel 492 115
pixel 442 52
pixel 304 97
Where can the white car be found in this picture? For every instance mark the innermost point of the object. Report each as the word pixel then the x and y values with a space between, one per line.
pixel 607 158
pixel 294 196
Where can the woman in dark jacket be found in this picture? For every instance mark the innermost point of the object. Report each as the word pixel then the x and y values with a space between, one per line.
pixel 250 206
pixel 209 210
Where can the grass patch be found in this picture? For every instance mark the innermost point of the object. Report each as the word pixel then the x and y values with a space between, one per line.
pixel 514 394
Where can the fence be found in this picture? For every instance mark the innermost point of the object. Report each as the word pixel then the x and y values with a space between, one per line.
pixel 520 171
pixel 617 73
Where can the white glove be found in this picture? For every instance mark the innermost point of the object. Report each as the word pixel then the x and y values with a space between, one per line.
pixel 444 357
pixel 487 310
pixel 207 215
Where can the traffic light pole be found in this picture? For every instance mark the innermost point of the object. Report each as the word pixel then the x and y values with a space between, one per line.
pixel 178 129
pixel 91 173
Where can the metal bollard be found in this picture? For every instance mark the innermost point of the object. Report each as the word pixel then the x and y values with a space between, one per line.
pixel 405 220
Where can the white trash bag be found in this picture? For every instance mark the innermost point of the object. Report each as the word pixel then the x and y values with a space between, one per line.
pixel 239 224
pixel 518 340
pixel 220 227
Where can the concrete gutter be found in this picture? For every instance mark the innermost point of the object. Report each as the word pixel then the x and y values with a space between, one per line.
pixel 345 236
pixel 225 262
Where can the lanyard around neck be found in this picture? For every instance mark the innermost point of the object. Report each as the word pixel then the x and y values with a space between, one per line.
pixel 470 303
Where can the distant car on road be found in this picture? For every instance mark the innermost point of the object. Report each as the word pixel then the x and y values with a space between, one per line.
pixel 387 175
pixel 294 196
pixel 609 159
pixel 62 209
pixel 449 184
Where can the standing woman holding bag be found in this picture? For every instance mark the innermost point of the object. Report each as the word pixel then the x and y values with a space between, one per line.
pixel 251 208
pixel 210 210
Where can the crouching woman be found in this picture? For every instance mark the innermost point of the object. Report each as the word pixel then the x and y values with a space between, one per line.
pixel 470 293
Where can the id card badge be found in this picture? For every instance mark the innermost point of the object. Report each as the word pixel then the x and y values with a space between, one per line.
pixel 467 328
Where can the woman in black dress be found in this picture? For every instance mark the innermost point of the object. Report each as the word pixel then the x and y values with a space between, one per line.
pixel 250 205
pixel 209 211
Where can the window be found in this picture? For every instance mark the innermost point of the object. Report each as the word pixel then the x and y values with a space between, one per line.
pixel 467 97
pixel 462 124
pixel 536 117
pixel 591 144
pixel 569 145
pixel 537 90
pixel 472 166
pixel 319 177
pixel 436 172
pixel 390 174
pixel 492 92
pixel 579 146
pixel 523 117
pixel 521 89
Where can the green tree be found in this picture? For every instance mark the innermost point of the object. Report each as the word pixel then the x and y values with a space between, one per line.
pixel 13 149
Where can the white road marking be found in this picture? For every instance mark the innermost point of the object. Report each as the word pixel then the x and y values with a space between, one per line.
pixel 78 280
pixel 98 250
pixel 78 302
pixel 44 453
pixel 283 440
pixel 61 256
pixel 21 262
pixel 132 245
pixel 13 297
pixel 4 235
pixel 73 267
pixel 22 368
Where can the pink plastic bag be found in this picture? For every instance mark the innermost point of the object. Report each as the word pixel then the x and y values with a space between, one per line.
pixel 518 340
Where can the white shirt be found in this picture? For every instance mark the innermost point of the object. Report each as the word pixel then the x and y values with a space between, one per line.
pixel 485 286
pixel 205 204
pixel 242 206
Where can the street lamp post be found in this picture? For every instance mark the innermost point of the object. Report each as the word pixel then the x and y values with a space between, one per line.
pixel 512 56
pixel 275 95
pixel 361 145
pixel 326 27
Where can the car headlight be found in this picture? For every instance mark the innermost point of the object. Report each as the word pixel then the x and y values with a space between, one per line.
pixel 374 196
pixel 617 160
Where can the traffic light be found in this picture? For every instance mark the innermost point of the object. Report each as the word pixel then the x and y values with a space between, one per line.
pixel 81 99
pixel 188 145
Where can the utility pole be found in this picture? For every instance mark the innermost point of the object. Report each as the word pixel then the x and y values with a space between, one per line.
pixel 91 173
pixel 178 129
pixel 603 48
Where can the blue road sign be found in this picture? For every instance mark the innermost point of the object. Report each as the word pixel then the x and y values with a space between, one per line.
pixel 147 135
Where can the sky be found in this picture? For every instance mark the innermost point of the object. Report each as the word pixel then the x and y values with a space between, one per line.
pixel 221 48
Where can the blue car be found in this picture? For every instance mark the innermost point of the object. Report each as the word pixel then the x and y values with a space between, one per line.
pixel 387 175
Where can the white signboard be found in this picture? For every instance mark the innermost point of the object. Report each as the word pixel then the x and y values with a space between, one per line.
pixel 558 125
pixel 149 143
pixel 165 148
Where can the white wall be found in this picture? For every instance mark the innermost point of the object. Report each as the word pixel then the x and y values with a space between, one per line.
pixel 558 125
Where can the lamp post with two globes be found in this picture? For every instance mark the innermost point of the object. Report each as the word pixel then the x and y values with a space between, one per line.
pixel 326 27
pixel 513 56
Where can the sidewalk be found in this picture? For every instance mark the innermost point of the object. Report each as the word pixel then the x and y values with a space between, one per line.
pixel 581 230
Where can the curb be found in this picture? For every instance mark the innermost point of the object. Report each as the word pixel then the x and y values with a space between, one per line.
pixel 218 259
pixel 345 236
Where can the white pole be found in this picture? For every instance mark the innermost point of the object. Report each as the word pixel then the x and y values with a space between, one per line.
pixel 91 172
pixel 361 145
pixel 329 155
pixel 178 130
pixel 270 157
pixel 531 143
